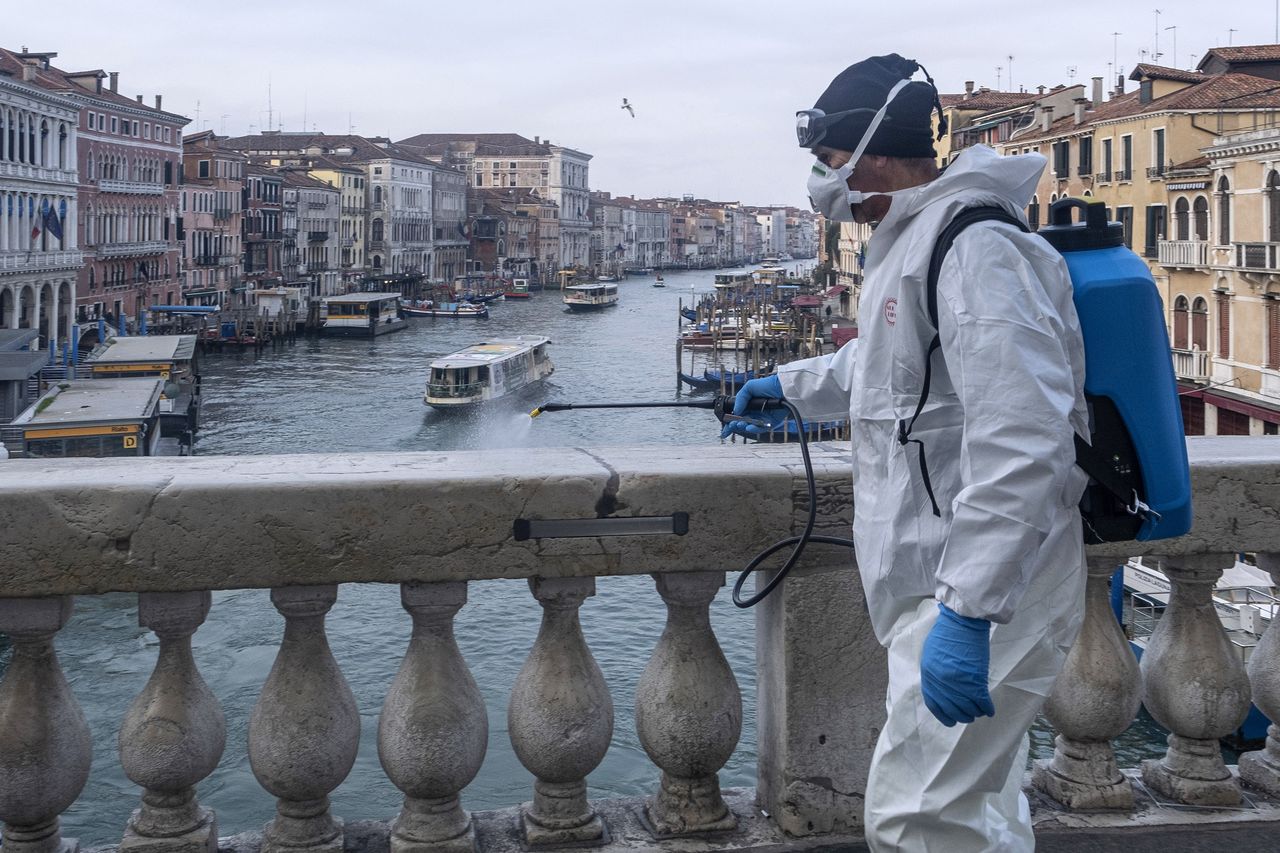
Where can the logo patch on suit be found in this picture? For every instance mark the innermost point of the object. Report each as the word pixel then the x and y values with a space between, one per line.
pixel 891 311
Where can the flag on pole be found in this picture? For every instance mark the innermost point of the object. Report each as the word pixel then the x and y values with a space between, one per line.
pixel 52 224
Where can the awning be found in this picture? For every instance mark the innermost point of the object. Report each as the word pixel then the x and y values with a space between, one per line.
pixel 841 335
pixel 21 366
pixel 806 302
pixel 836 291
pixel 184 309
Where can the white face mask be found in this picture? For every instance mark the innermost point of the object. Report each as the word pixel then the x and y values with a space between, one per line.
pixel 829 191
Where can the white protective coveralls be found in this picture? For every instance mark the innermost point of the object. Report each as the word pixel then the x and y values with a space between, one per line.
pixel 1006 396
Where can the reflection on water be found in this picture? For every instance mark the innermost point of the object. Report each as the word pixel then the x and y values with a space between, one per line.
pixel 350 395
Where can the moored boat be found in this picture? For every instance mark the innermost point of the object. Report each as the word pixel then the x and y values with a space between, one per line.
pixel 486 371
pixel 590 297
pixel 519 289
pixel 456 310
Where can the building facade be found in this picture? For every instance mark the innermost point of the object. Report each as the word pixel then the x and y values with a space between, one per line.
pixel 317 242
pixel 127 158
pixel 212 221
pixel 261 227
pixel 39 258
pixel 449 221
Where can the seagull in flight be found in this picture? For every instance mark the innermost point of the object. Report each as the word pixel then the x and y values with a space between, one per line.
pixel 626 105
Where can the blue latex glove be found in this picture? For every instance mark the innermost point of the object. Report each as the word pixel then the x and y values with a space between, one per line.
pixel 764 388
pixel 953 668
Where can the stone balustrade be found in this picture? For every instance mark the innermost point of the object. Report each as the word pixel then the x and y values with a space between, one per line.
pixel 303 525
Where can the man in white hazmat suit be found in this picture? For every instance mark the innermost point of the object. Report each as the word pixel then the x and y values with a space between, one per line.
pixel 972 558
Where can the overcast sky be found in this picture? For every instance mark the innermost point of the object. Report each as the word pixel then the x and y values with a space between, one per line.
pixel 715 83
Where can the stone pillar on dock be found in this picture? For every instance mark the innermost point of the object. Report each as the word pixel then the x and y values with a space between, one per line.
pixel 1261 769
pixel 305 728
pixel 688 711
pixel 1093 701
pixel 434 730
pixel 45 748
pixel 560 718
pixel 173 734
pixel 1195 686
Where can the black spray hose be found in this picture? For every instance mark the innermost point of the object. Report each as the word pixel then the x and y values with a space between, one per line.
pixel 723 407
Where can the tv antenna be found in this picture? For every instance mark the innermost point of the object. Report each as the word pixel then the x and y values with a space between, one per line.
pixel 999 68
pixel 1071 73
pixel 1155 54
pixel 1013 87
pixel 1175 43
pixel 1230 32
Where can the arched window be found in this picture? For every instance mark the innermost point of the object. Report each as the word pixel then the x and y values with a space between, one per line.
pixel 377 195
pixel 1224 211
pixel 1273 206
pixel 1200 324
pixel 62 146
pixel 1182 219
pixel 377 262
pixel 1033 213
pixel 1223 300
pixel 1200 218
pixel 377 230
pixel 1181 322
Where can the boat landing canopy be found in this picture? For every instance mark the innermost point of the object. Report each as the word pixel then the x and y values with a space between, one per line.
pixel 359 298
pixel 184 309
pixel 143 350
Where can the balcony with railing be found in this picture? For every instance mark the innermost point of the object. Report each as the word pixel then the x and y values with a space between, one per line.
pixel 1262 257
pixel 1124 174
pixel 820 671
pixel 223 213
pixel 107 185
pixel 43 174
pixel 1183 253
pixel 317 236
pixel 36 261
pixel 1154 172
pixel 132 249
pixel 1191 364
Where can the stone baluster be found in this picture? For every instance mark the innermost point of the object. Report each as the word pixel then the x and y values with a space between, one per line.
pixel 305 727
pixel 1194 685
pixel 1261 769
pixel 560 718
pixel 434 730
pixel 45 748
pixel 173 734
pixel 688 710
pixel 1093 701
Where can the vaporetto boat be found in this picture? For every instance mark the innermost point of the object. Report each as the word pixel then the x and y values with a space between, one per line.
pixel 591 297
pixel 487 371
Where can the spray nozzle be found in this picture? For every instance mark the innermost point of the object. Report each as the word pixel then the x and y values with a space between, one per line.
pixel 721 404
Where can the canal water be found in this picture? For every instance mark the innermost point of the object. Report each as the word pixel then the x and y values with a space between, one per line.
pixel 335 395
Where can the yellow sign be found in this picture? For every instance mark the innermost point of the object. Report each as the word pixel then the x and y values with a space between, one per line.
pixel 72 432
pixel 130 442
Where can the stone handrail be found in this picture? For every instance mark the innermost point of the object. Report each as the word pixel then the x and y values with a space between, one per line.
pixel 302 525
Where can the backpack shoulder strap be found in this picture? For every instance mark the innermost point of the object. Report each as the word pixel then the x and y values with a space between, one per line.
pixel 966 217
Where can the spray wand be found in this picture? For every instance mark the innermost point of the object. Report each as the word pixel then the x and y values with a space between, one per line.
pixel 722 405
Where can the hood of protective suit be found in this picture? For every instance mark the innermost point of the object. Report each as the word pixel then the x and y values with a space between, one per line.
pixel 978 174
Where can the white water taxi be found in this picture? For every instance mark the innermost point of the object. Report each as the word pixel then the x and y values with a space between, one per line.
pixel 486 371
pixel 591 297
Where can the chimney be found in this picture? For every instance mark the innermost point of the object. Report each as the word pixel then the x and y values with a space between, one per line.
pixel 29 70
pixel 537 141
pixel 968 89
pixel 1040 90
pixel 1081 104
pixel 1120 84
pixel 139 98
pixel 1097 92
pixel 159 100
pixel 1046 118
pixel 115 81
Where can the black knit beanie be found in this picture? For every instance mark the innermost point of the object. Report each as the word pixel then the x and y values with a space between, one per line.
pixel 906 130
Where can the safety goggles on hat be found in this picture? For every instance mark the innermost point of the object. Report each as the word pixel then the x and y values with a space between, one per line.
pixel 812 125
